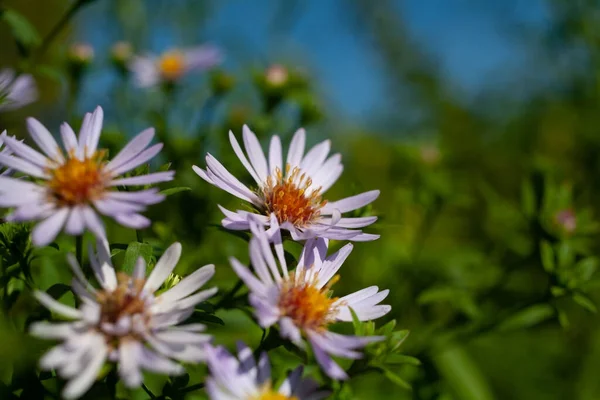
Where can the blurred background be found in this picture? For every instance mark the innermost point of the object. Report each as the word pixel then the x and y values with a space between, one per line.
pixel 477 120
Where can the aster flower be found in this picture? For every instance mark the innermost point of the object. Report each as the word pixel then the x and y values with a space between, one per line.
pixel 125 321
pixel 169 67
pixel 300 302
pixel 244 379
pixel 73 186
pixel 292 193
pixel 16 91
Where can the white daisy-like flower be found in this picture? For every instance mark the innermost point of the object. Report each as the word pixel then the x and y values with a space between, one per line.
pixel 300 302
pixel 125 321
pixel 16 91
pixel 243 379
pixel 74 185
pixel 151 70
pixel 293 193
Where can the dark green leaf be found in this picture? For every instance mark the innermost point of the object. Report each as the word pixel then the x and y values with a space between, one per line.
pixel 547 255
pixel 585 302
pixel 58 290
pixel 528 317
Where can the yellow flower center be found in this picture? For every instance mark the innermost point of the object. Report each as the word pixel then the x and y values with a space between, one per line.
pixel 287 197
pixel 172 65
pixel 76 181
pixel 125 300
pixel 308 306
pixel 271 395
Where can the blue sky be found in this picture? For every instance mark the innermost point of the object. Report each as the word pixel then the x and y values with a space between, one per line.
pixel 470 40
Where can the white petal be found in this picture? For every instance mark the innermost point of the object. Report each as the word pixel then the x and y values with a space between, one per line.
pixel 69 139
pixel 55 306
pixel 275 155
pixel 131 149
pixel 255 153
pixel 296 149
pixel 163 267
pixel 129 371
pixel 43 138
pixel 22 165
pixel 351 203
pixel 188 285
pixel 45 231
pixel 242 157
pixel 85 379
pixel 26 152
pixel 94 133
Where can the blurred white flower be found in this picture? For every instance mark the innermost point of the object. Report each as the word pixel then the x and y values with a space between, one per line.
pixel 292 193
pixel 150 70
pixel 16 91
pixel 300 302
pixel 242 378
pixel 276 75
pixel 124 322
pixel 72 187
pixel 80 53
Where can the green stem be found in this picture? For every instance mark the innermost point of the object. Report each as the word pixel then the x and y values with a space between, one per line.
pixel 60 25
pixel 229 295
pixel 148 391
pixel 139 235
pixel 79 249
pixel 192 388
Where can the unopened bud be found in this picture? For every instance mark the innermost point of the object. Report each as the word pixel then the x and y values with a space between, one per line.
pixel 120 55
pixel 566 220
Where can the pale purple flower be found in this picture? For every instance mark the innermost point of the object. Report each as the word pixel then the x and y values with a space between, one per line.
pixel 242 378
pixel 16 91
pixel 125 321
pixel 4 151
pixel 74 185
pixel 151 70
pixel 300 302
pixel 293 193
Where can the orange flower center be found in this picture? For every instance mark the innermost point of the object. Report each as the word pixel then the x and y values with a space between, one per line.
pixel 125 300
pixel 76 181
pixel 172 65
pixel 308 306
pixel 288 199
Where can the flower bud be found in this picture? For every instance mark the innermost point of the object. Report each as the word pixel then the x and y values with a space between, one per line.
pixel 566 220
pixel 221 82
pixel 120 55
pixel 80 54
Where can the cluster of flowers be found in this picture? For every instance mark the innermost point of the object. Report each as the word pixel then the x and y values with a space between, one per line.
pixel 134 321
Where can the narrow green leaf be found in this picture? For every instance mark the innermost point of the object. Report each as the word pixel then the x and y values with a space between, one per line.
pixel 585 302
pixel 528 317
pixel 402 359
pixel 395 378
pixel 358 326
pixel 134 251
pixel 398 338
pixel 547 255
pixel 23 31
pixel 462 374
pixel 170 191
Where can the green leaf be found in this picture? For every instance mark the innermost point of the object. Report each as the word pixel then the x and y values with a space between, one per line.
pixel 24 32
pixel 58 290
pixel 460 371
pixel 170 191
pixel 398 338
pixel 527 317
pixel 402 359
pixel 566 256
pixel 585 302
pixel 547 255
pixel 202 317
pixel 395 378
pixel 358 326
pixel 528 199
pixel 134 251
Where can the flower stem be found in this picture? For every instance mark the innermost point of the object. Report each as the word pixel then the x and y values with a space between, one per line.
pixel 79 249
pixel 148 391
pixel 139 236
pixel 75 7
pixel 192 388
pixel 229 295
